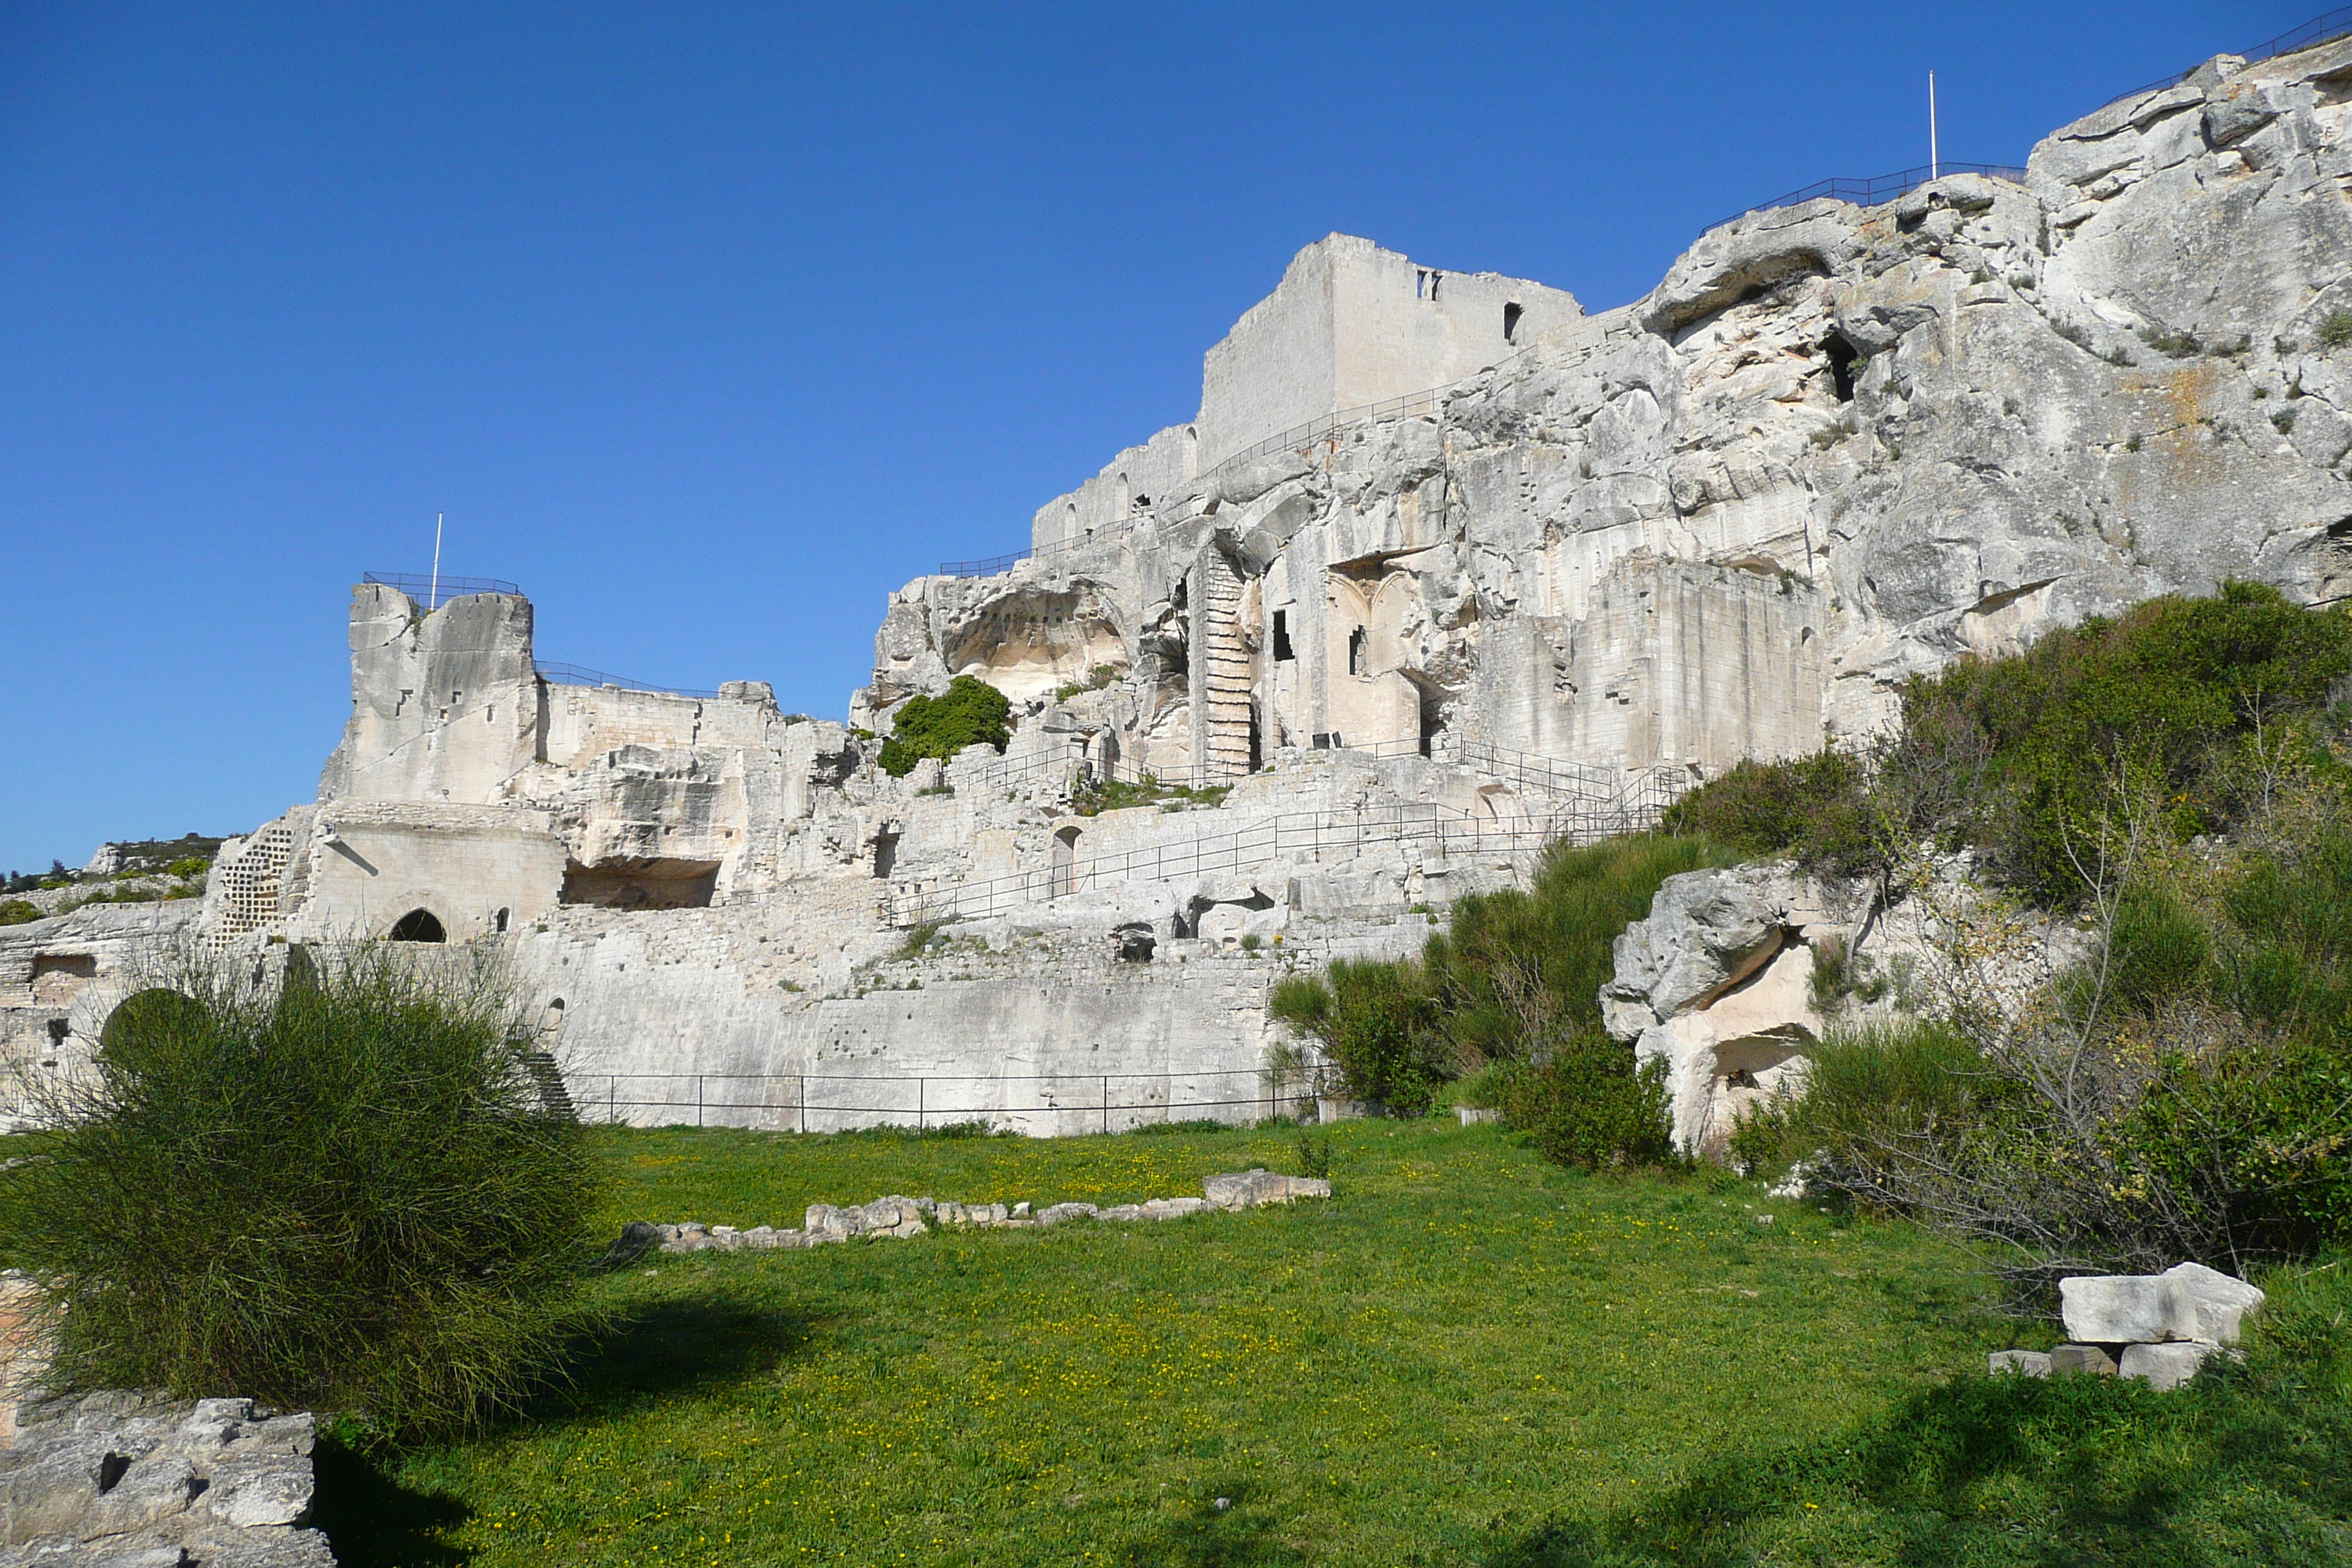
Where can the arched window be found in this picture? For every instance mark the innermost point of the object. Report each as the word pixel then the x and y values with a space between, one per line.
pixel 1122 500
pixel 1065 855
pixel 1192 453
pixel 501 919
pixel 1511 323
pixel 418 925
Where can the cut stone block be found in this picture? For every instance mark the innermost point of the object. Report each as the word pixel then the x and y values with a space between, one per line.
pixel 2186 1301
pixel 2220 1303
pixel 1247 1189
pixel 1473 1115
pixel 2167 1365
pixel 2091 1359
pixel 2026 1364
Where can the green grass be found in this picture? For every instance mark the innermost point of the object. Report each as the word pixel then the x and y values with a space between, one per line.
pixel 1464 1350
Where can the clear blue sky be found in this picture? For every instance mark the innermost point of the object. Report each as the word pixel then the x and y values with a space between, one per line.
pixel 710 324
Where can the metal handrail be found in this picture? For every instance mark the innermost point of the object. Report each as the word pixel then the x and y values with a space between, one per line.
pixel 2323 28
pixel 1878 188
pixel 575 675
pixel 935 1101
pixel 433 592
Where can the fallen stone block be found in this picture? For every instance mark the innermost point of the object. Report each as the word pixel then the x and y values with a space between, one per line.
pixel 1248 1189
pixel 1057 1213
pixel 2186 1301
pixel 1174 1208
pixel 1121 1211
pixel 1474 1115
pixel 2220 1303
pixel 2091 1359
pixel 2025 1363
pixel 2166 1366
pixel 2126 1308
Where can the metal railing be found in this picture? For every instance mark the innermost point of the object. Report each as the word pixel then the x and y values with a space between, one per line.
pixel 806 1102
pixel 2320 29
pixel 1879 188
pixel 575 675
pixel 435 591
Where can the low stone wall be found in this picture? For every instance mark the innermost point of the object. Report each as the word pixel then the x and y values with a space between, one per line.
pixel 903 1216
pixel 2159 1328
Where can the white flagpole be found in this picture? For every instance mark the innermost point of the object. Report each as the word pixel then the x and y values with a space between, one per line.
pixel 432 601
pixel 1935 157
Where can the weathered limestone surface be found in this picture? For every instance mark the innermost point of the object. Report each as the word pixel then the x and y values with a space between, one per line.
pixel 2186 1301
pixel 121 1479
pixel 1717 982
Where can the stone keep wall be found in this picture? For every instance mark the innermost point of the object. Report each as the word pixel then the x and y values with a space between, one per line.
pixel 1350 324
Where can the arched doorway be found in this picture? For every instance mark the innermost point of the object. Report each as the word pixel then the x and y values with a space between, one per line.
pixel 1065 859
pixel 418 925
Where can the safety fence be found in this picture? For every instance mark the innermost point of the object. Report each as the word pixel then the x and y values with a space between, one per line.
pixel 2321 30
pixel 575 675
pixel 431 591
pixel 1526 770
pixel 1036 1102
pixel 1878 188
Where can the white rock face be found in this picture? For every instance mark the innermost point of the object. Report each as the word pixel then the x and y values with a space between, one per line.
pixel 1718 982
pixel 2165 1366
pixel 2188 1301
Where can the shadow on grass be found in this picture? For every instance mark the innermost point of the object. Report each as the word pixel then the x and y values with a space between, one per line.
pixel 2013 1471
pixel 672 1350
pixel 372 1522
pixel 1238 1535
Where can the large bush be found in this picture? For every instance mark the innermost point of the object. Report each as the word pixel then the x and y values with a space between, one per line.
pixel 2180 701
pixel 362 1193
pixel 1513 983
pixel 971 712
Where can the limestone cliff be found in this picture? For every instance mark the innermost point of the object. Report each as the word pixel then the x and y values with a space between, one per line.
pixel 1833 447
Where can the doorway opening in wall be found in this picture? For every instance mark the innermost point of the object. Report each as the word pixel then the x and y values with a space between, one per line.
pixel 418 925
pixel 1282 649
pixel 642 883
pixel 885 853
pixel 1511 323
pixel 1065 859
pixel 1357 640
pixel 1257 746
pixel 500 920
pixel 1841 355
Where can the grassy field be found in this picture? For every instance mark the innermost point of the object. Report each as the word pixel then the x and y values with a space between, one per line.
pixel 1462 1351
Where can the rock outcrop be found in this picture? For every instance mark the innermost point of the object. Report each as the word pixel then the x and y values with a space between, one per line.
pixel 1717 982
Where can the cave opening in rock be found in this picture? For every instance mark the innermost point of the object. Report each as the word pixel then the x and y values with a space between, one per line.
pixel 642 883
pixel 419 925
pixel 1841 356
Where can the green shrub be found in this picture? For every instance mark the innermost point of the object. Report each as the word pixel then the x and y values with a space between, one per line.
pixel 971 712
pixel 2023 755
pixel 1588 1105
pixel 1378 1026
pixel 19 911
pixel 1515 979
pixel 357 1194
pixel 2335 329
pixel 1866 1090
